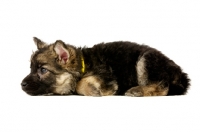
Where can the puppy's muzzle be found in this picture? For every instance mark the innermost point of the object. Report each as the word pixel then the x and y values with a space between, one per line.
pixel 28 84
pixel 24 84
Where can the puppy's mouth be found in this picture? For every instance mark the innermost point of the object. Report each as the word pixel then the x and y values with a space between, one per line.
pixel 37 92
pixel 31 92
pixel 45 94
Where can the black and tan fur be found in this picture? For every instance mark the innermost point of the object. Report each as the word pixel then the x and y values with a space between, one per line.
pixel 116 68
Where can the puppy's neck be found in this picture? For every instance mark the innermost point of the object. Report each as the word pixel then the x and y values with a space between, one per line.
pixel 82 65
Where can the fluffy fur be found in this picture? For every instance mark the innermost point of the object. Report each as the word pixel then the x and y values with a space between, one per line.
pixel 116 68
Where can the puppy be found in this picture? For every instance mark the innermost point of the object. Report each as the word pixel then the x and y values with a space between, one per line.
pixel 116 68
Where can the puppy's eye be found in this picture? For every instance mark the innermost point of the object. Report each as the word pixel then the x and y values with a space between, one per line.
pixel 43 70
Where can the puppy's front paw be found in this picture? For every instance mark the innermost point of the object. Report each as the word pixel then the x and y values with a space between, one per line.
pixel 134 92
pixel 89 86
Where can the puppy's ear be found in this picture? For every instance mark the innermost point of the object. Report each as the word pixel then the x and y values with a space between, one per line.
pixel 61 51
pixel 39 43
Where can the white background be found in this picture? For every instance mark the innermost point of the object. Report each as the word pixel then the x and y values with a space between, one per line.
pixel 172 26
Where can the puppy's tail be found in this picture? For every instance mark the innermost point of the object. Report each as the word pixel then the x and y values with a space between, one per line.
pixel 180 85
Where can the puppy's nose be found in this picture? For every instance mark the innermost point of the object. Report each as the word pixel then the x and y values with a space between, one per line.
pixel 24 84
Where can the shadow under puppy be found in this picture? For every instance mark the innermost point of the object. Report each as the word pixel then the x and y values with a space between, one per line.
pixel 116 68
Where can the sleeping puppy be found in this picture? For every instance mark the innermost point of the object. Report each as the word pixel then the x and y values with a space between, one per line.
pixel 116 68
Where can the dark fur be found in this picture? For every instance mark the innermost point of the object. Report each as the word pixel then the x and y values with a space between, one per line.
pixel 121 58
pixel 115 61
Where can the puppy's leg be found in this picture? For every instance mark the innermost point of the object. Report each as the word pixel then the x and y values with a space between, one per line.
pixel 95 86
pixel 149 90
pixel 89 86
pixel 147 87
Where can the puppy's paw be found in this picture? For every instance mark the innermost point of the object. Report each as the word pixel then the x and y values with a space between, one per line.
pixel 148 90
pixel 135 92
pixel 89 86
pixel 95 86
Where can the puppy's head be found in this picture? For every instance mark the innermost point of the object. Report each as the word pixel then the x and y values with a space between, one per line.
pixel 55 69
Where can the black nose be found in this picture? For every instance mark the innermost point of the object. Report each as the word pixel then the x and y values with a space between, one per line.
pixel 24 84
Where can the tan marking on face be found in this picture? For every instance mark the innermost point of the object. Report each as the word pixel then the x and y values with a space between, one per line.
pixel 64 83
pixel 43 76
pixel 142 75
pixel 45 57
pixel 42 58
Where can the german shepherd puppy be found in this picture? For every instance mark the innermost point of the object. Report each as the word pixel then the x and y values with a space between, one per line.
pixel 116 68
